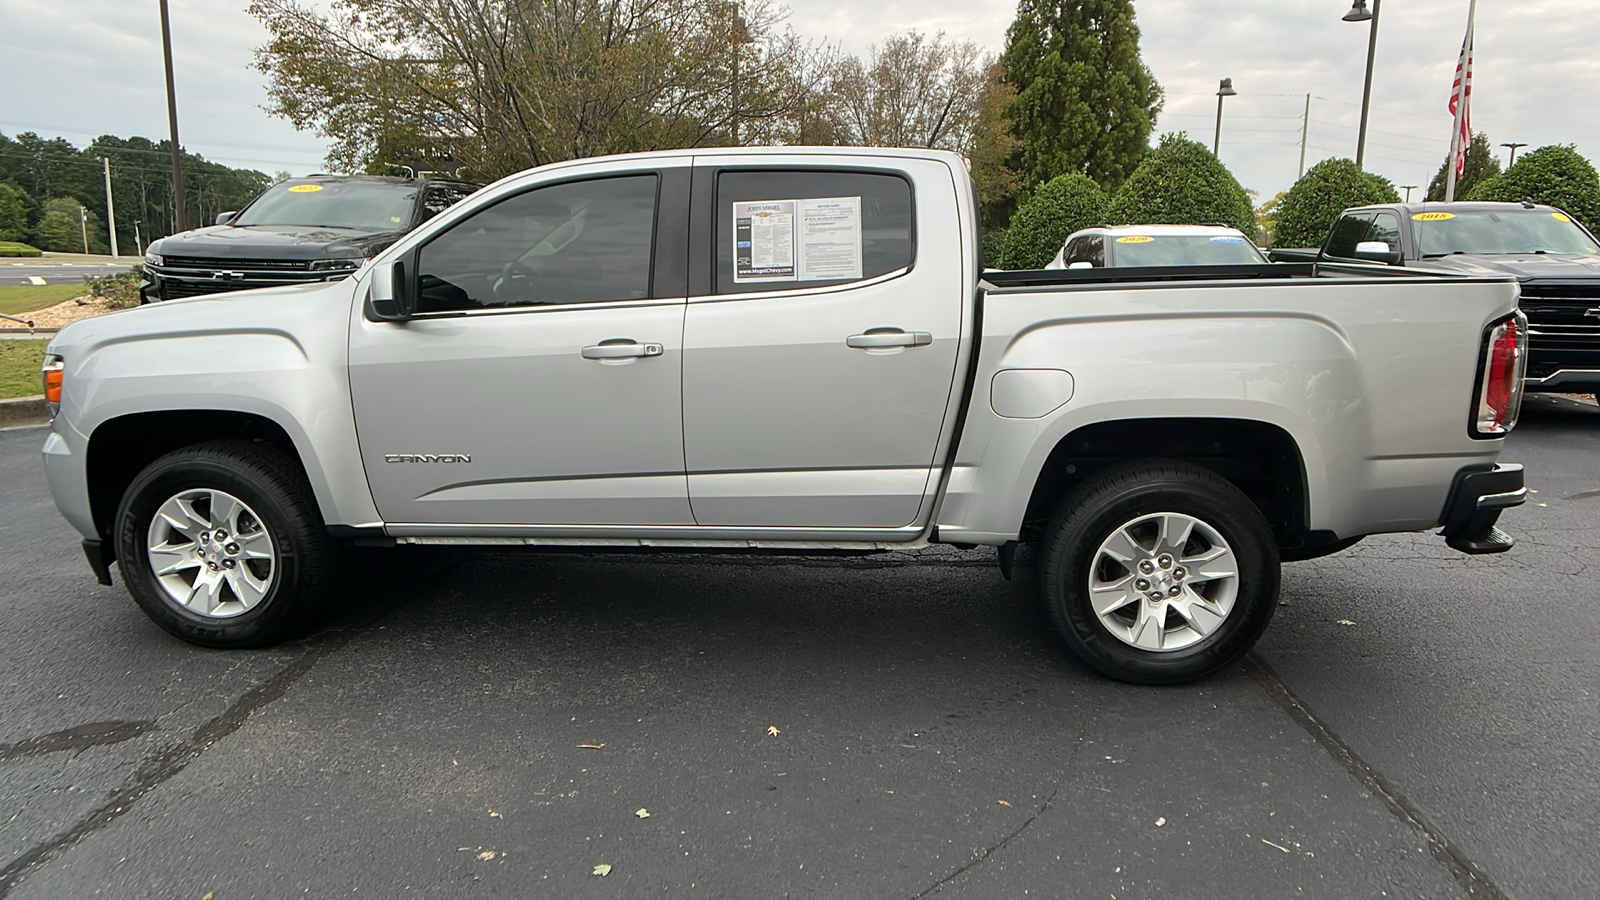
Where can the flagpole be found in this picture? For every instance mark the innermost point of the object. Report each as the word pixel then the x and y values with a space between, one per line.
pixel 1461 106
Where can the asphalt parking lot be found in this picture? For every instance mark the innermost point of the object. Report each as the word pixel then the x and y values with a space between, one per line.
pixel 1416 723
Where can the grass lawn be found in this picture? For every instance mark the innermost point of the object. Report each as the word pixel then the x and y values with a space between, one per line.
pixel 19 368
pixel 17 299
pixel 10 249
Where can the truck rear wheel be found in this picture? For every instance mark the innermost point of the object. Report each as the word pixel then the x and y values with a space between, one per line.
pixel 222 545
pixel 1159 572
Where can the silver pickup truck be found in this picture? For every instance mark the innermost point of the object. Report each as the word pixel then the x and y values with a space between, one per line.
pixel 790 350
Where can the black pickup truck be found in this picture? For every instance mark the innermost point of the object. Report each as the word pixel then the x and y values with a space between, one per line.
pixel 1555 258
pixel 300 230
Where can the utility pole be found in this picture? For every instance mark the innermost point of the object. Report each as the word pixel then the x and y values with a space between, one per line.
pixel 138 244
pixel 111 211
pixel 1305 126
pixel 83 223
pixel 172 120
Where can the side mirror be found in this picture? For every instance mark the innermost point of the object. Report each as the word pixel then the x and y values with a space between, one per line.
pixel 1081 264
pixel 1379 252
pixel 225 218
pixel 389 296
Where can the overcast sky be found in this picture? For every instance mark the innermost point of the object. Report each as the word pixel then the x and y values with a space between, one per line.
pixel 80 68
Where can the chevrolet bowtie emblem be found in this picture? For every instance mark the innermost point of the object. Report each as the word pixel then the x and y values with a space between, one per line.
pixel 226 276
pixel 1594 312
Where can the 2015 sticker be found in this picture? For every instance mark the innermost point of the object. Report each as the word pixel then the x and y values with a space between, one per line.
pixel 1135 239
pixel 1432 217
pixel 305 189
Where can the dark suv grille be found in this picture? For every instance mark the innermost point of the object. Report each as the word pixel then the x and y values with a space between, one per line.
pixel 1563 327
pixel 237 265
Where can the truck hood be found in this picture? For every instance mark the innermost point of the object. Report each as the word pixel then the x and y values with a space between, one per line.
pixel 284 242
pixel 1526 267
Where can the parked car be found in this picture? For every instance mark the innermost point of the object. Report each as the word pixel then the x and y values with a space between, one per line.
pixel 302 230
pixel 1554 258
pixel 787 350
pixel 1156 245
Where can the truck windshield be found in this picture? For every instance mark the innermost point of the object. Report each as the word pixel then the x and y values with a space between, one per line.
pixel 1499 231
pixel 1182 250
pixel 368 205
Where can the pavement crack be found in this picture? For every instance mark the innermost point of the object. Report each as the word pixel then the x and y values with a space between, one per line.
pixel 981 857
pixel 82 737
pixel 1472 879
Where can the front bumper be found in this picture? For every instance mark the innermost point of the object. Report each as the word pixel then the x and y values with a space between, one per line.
pixel 1476 501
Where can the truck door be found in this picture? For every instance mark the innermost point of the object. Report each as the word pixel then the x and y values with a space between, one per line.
pixel 539 382
pixel 820 352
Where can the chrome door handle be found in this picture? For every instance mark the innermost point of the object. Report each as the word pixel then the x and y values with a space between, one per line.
pixel 884 338
pixel 620 350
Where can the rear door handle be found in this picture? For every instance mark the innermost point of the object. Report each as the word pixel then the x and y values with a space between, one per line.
pixel 876 338
pixel 620 349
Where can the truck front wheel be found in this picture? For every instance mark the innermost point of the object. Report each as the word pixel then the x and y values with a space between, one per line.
pixel 1159 572
pixel 222 545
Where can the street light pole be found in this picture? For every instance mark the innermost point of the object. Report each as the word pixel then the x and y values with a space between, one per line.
pixel 1513 145
pixel 111 210
pixel 172 121
pixel 1225 89
pixel 1408 189
pixel 1358 13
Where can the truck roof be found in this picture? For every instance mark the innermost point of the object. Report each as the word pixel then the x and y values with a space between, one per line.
pixel 1460 205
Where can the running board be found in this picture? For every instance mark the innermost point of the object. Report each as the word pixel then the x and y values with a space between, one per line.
pixel 666 544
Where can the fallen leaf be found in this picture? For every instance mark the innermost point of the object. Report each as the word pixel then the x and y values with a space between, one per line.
pixel 590 746
pixel 1271 844
pixel 208 895
pixel 487 855
pixel 602 869
pixel 1346 622
pixel 1003 802
pixel 1161 821
pixel 772 731
pixel 495 814
pixel 643 813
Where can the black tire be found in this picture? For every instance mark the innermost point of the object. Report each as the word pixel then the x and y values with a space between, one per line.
pixel 1100 506
pixel 276 492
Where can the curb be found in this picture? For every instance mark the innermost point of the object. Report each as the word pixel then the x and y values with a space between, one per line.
pixel 24 411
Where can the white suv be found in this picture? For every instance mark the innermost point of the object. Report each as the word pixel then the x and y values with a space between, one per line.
pixel 1156 245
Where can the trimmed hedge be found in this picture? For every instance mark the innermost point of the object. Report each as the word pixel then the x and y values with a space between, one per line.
pixel 1059 207
pixel 1182 183
pixel 1307 212
pixel 12 249
pixel 1555 175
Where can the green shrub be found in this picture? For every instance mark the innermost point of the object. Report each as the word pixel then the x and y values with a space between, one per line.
pixel 120 290
pixel 1059 207
pixel 1182 183
pixel 1555 175
pixel 12 249
pixel 994 240
pixel 1308 210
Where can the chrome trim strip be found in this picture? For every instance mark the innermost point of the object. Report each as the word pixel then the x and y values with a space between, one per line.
pixel 1502 501
pixel 599 535
pixel 1562 376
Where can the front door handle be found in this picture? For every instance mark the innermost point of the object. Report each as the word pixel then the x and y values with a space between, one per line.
pixel 620 349
pixel 884 337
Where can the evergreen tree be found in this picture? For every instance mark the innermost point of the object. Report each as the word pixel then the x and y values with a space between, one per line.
pixel 13 213
pixel 1182 183
pixel 1085 100
pixel 1307 212
pixel 1042 224
pixel 1481 165
pixel 60 230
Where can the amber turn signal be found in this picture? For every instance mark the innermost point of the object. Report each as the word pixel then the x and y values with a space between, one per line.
pixel 54 370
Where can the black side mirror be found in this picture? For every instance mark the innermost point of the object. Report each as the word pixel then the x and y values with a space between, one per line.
pixel 389 298
pixel 227 217
pixel 1378 252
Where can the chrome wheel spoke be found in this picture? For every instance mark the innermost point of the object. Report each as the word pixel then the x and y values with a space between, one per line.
pixel 1108 597
pixel 246 588
pixel 1123 547
pixel 1215 563
pixel 1149 629
pixel 1200 614
pixel 202 594
pixel 1175 531
pixel 1159 562
pixel 180 558
pixel 254 545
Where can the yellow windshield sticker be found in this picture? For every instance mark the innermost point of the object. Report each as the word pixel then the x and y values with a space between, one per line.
pixel 1135 239
pixel 305 189
pixel 1432 217
pixel 395 219
pixel 1561 217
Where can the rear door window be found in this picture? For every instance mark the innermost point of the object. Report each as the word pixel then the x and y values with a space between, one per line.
pixel 778 230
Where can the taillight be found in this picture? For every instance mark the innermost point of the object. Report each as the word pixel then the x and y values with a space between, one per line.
pixel 1505 359
pixel 54 370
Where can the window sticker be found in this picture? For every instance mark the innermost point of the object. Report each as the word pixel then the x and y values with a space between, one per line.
pixel 1135 239
pixel 811 239
pixel 1561 217
pixel 1432 217
pixel 1227 239
pixel 305 189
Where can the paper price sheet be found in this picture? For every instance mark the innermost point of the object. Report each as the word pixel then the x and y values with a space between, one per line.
pixel 813 239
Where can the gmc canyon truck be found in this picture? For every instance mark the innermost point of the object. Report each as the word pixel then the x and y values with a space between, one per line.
pixel 788 350
pixel 1556 260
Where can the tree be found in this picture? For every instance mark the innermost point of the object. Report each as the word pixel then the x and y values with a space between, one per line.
pixel 1182 183
pixel 1307 212
pixel 1059 207
pixel 13 213
pixel 1267 219
pixel 993 146
pixel 60 228
pixel 1085 100
pixel 1556 175
pixel 1481 164
pixel 500 85
pixel 910 92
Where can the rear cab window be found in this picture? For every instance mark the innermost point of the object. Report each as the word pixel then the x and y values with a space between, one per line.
pixel 796 229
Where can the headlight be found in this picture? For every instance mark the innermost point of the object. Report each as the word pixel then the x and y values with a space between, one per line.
pixel 54 369
pixel 153 259
pixel 336 265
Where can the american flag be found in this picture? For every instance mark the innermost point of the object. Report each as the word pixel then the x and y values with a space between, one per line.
pixel 1461 94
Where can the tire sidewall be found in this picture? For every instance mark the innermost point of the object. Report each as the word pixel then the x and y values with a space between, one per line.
pixel 1087 525
pixel 183 471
